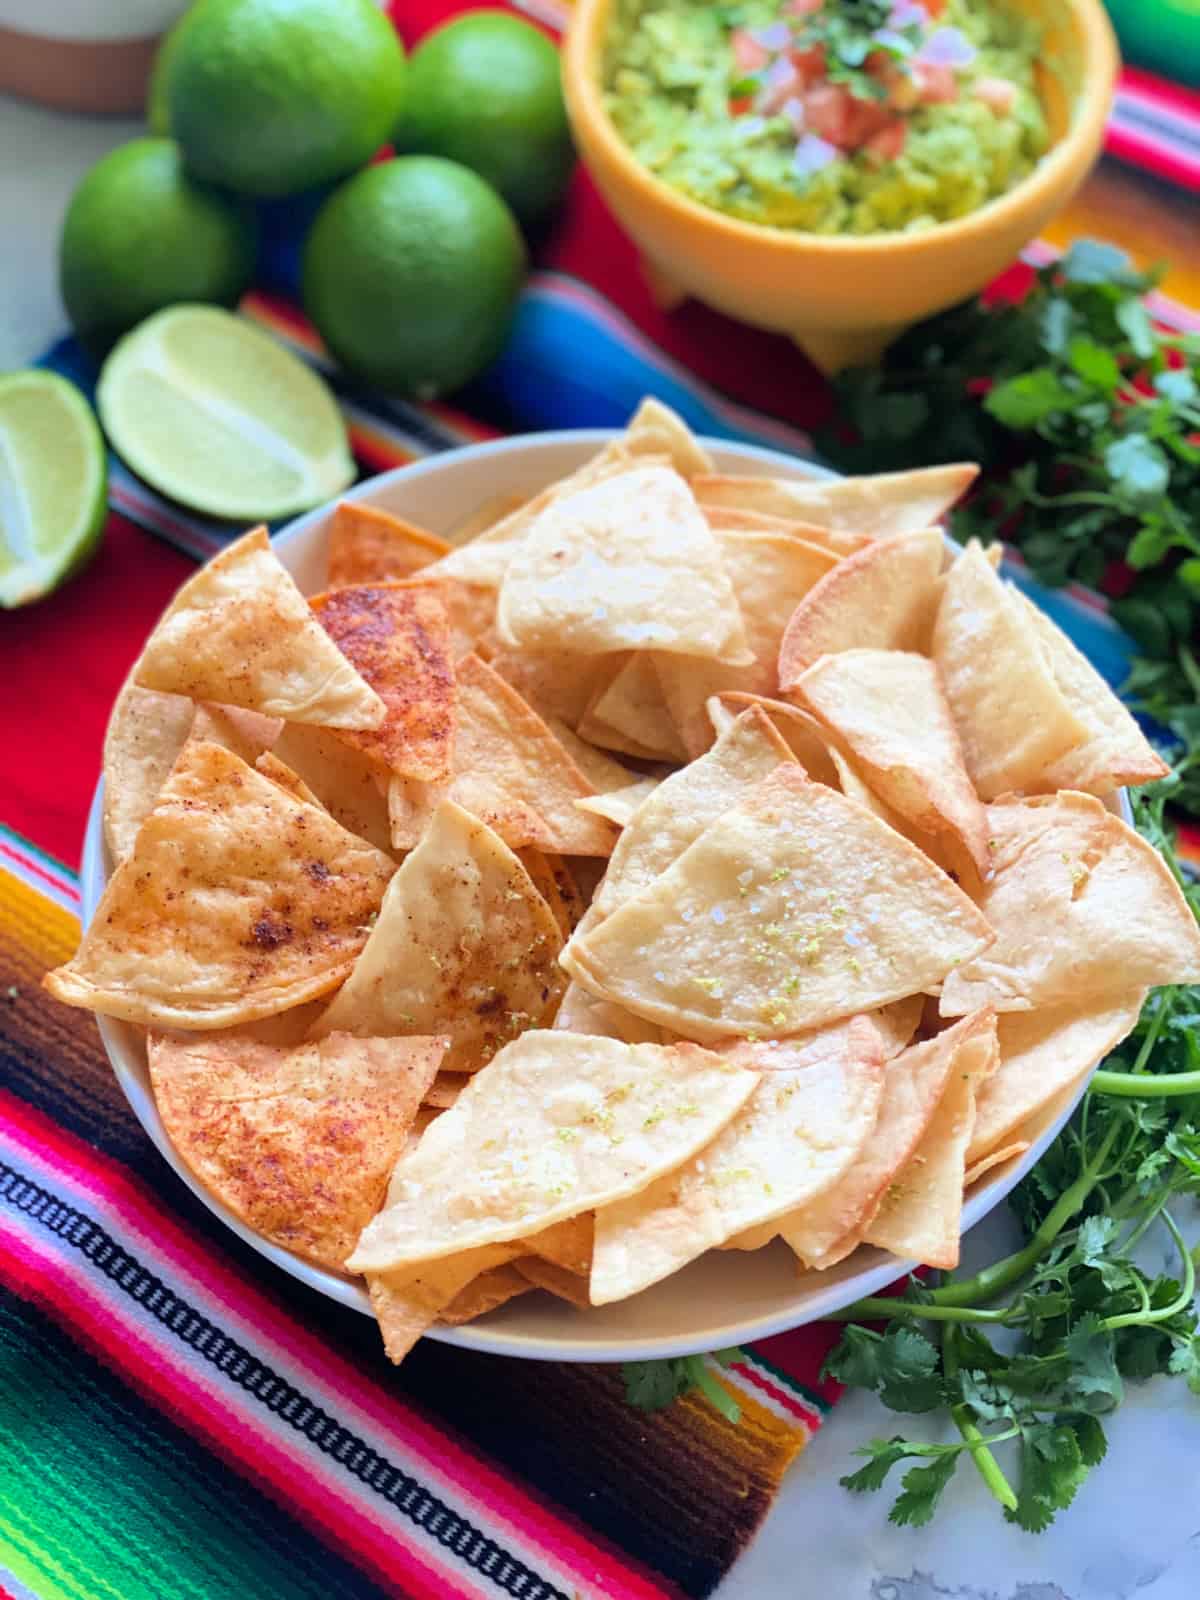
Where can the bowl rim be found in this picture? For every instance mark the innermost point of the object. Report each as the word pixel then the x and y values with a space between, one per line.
pixel 1090 109
pixel 484 1335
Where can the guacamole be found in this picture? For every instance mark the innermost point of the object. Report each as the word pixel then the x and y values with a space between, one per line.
pixel 829 116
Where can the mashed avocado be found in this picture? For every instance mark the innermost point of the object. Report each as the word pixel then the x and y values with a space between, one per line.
pixel 830 116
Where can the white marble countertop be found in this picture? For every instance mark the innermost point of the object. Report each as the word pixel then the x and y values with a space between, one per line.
pixel 1135 1529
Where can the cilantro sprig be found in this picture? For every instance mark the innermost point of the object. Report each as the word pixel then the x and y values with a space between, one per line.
pixel 1028 1356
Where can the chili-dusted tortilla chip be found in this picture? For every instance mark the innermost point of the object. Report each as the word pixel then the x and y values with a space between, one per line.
pixel 888 709
pixel 490 1290
pixel 510 771
pixel 883 505
pixel 1011 715
pixel 398 637
pixel 770 574
pixel 628 564
pixel 793 1139
pixel 237 901
pixel 1116 750
pixel 241 633
pixel 919 1217
pixel 629 712
pixel 569 1286
pixel 794 908
pixel 146 732
pixel 683 806
pixel 883 597
pixel 584 1122
pixel 621 805
pixel 1041 1053
pixel 299 1143
pixel 582 1012
pixel 997 1158
pixel 367 545
pixel 464 946
pixel 803 735
pixel 349 784
pixel 1083 907
pixel 913 1084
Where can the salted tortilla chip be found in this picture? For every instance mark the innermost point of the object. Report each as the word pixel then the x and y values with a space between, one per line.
pixel 898 1022
pixel 398 637
pixel 585 1122
pixel 621 805
pixel 368 545
pixel 464 946
pixel 349 784
pixel 569 1286
pixel 1116 750
pixel 603 773
pixel 559 686
pixel 882 506
pixel 796 1135
pixel 567 1244
pixel 913 1084
pixel 629 713
pixel 241 633
pixel 490 1290
pixel 770 574
pixel 511 772
pixel 919 1217
pixel 299 1143
pixel 683 806
pixel 407 1303
pixel 997 1158
pixel 582 1012
pixel 628 564
pixel 654 429
pixel 1011 715
pixel 1041 1053
pixel 1084 909
pixel 794 908
pixel 888 709
pixel 803 735
pixel 146 732
pixel 485 517
pixel 237 901
pixel 552 879
pixel 884 597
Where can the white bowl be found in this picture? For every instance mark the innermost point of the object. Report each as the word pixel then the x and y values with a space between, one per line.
pixel 726 1297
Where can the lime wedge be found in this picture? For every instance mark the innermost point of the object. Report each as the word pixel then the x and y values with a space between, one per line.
pixel 217 415
pixel 53 477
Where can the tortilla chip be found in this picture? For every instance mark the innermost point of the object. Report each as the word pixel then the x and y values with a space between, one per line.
pixel 398 637
pixel 654 429
pixel 629 713
pixel 898 1022
pixel 367 545
pixel 770 574
pixel 888 708
pixel 407 1303
pixel 509 771
pixel 559 686
pixel 1012 717
pixel 464 946
pixel 803 735
pixel 881 506
pixel 628 564
pixel 284 778
pixel 603 773
pixel 1084 909
pixel 485 517
pixel 299 1143
pixel 581 1012
pixel 236 902
pixel 585 1122
pixel 1116 750
pixel 569 1286
pixel 683 806
pixel 552 879
pixel 444 1090
pixel 241 633
pixel 350 785
pixel 146 732
pixel 487 1292
pixel 567 1244
pixel 1041 1053
pixel 997 1159
pixel 883 597
pixel 794 908
pixel 796 1135
pixel 470 613
pixel 621 805
pixel 913 1085
pixel 246 733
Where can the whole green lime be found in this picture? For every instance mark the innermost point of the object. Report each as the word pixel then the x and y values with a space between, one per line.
pixel 140 234
pixel 410 274
pixel 158 116
pixel 269 97
pixel 485 90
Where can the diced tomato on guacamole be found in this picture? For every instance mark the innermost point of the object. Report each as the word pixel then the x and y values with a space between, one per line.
pixel 830 116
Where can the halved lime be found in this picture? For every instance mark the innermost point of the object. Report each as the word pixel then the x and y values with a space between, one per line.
pixel 217 415
pixel 53 482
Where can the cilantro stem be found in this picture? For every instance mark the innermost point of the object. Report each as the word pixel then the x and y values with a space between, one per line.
pixel 712 1390
pixel 1146 1085
pixel 985 1462
pixel 1143 1318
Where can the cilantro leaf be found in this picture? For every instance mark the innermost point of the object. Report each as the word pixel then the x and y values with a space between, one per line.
pixel 1185 1363
pixel 883 1455
pixel 654 1385
pixel 1094 1383
pixel 1137 467
pixel 1052 1469
pixel 922 1489
pixel 1025 401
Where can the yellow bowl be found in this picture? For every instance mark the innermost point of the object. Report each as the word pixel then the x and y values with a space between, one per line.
pixel 843 299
